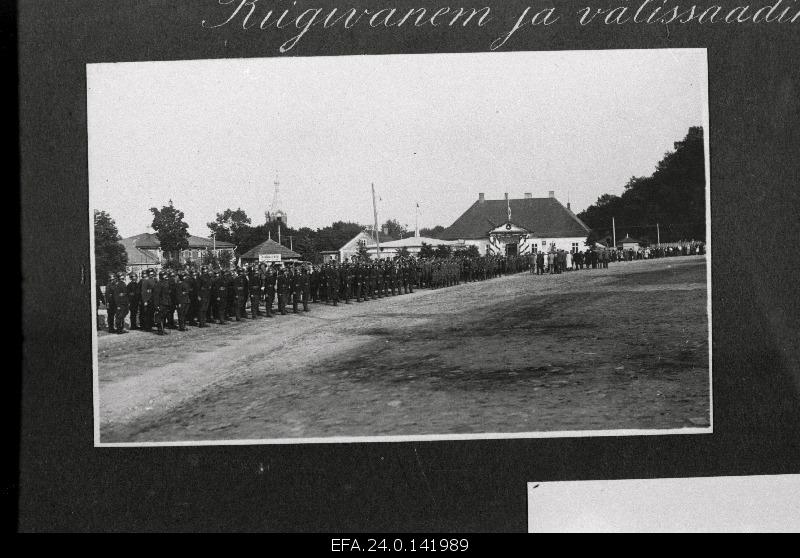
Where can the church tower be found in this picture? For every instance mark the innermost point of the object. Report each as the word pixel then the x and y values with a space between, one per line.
pixel 275 214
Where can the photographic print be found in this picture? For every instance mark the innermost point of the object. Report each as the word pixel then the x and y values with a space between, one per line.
pixel 400 247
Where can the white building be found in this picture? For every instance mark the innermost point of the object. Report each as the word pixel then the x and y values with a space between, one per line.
pixel 518 226
pixel 412 244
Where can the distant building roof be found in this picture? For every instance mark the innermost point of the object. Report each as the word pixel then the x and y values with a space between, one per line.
pixel 628 240
pixel 414 241
pixel 136 255
pixel 270 247
pixel 149 241
pixel 542 217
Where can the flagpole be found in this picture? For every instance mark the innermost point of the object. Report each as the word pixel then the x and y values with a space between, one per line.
pixel 375 213
pixel 416 222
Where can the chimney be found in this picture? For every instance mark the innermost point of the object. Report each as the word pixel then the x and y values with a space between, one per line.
pixel 528 195
pixel 551 194
pixel 481 198
pixel 568 207
pixel 506 195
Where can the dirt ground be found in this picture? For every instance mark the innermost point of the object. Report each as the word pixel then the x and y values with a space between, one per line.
pixel 622 348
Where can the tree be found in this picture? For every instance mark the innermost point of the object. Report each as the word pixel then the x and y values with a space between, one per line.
pixel 403 252
pixel 394 228
pixel 432 233
pixel 672 197
pixel 109 254
pixel 231 225
pixel 171 230
pixel 426 251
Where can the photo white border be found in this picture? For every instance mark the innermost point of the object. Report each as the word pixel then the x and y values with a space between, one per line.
pixel 422 437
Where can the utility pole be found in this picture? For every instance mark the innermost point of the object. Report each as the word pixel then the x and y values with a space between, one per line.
pixel 658 233
pixel 375 213
pixel 614 228
pixel 291 244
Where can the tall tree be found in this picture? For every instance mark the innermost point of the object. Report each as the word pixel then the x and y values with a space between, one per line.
pixel 394 229
pixel 109 254
pixel 426 251
pixel 673 198
pixel 232 225
pixel 431 233
pixel 171 229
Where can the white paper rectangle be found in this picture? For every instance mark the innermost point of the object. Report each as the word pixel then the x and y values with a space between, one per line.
pixel 767 503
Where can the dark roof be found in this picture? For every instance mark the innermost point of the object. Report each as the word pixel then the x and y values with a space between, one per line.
pixel 269 247
pixel 543 217
pixel 628 240
pixel 149 241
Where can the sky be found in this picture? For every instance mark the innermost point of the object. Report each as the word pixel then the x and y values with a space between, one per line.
pixel 427 129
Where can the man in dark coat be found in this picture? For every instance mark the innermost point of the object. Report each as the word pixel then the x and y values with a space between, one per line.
pixel 134 292
pixel 120 294
pixel 160 302
pixel 283 290
pixel 148 300
pixel 205 286
pixel 183 299
pixel 220 294
pixel 254 287
pixel 111 307
pixel 270 280
pixel 305 287
pixel 294 288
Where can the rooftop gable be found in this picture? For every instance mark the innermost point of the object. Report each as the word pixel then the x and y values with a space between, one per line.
pixel 542 217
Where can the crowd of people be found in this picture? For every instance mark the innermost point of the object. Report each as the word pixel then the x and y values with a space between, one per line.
pixel 175 299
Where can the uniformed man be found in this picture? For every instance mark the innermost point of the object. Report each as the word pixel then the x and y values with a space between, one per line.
pixel 270 280
pixel 305 286
pixel 148 300
pixel 134 292
pixel 120 295
pixel 161 302
pixel 172 280
pixel 111 308
pixel 283 290
pixel 221 297
pixel 205 287
pixel 183 299
pixel 254 284
pixel 294 287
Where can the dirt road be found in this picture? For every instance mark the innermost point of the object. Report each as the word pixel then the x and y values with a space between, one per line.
pixel 622 348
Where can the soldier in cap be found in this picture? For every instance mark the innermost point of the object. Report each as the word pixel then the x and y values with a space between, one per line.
pixel 161 301
pixel 270 278
pixel 283 290
pixel 172 281
pixel 254 287
pixel 148 299
pixel 205 287
pixel 220 296
pixel 191 311
pixel 120 294
pixel 305 286
pixel 294 288
pixel 111 307
pixel 183 299
pixel 134 292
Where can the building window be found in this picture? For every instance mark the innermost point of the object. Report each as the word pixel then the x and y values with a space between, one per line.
pixel 575 247
pixel 544 243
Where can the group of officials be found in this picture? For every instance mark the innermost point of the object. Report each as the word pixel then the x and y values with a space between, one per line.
pixel 170 299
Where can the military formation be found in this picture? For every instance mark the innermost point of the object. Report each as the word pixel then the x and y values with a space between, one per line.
pixel 174 300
